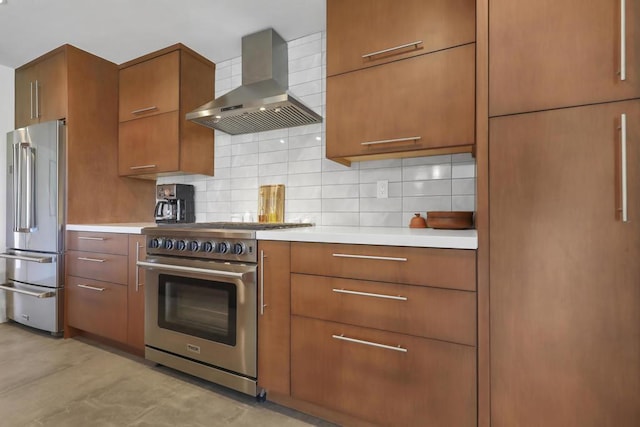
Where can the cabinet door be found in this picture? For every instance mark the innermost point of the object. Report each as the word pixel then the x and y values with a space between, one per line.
pixel 150 87
pixel 355 29
pixel 274 317
pixel 51 100
pixel 550 53
pixel 25 96
pixel 565 276
pixel 135 301
pixel 420 103
pixel 149 145
pixel 433 383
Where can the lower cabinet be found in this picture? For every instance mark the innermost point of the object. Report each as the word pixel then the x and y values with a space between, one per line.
pixel 382 377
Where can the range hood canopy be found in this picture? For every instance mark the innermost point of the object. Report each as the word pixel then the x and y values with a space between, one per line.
pixel 262 102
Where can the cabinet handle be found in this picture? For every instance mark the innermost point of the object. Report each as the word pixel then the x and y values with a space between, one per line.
pixel 391 49
pixel 623 165
pixel 372 344
pixel 31 100
pixel 90 238
pixel 144 110
pixel 381 258
pixel 138 284
pixel 623 40
pixel 388 141
pixel 37 102
pixel 91 288
pixel 262 304
pixel 368 294
pixel 143 167
pixel 81 258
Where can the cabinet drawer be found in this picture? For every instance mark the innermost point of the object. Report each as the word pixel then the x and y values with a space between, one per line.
pixel 433 383
pixel 97 307
pixel 108 243
pixel 442 268
pixel 355 29
pixel 149 145
pixel 150 87
pixel 92 265
pixel 421 103
pixel 444 314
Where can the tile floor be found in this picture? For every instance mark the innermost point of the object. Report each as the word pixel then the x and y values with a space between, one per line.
pixel 46 381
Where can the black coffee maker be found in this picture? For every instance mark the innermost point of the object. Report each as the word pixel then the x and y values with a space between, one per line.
pixel 174 203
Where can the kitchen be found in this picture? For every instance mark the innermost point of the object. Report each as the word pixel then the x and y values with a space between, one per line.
pixel 330 194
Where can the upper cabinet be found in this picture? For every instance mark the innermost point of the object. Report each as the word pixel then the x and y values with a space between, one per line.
pixel 156 92
pixel 401 78
pixel 582 53
pixel 41 90
pixel 363 34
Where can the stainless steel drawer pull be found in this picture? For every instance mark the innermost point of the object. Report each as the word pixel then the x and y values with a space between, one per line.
pixel 81 258
pixel 368 294
pixel 623 40
pixel 391 49
pixel 381 258
pixel 40 260
pixel 170 267
pixel 31 294
pixel 90 238
pixel 143 167
pixel 623 166
pixel 389 141
pixel 144 110
pixel 372 344
pixel 92 288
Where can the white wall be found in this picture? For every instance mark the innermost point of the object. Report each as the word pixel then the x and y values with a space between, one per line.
pixel 318 189
pixel 6 125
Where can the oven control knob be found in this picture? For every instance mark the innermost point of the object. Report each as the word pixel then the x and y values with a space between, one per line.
pixel 239 248
pixel 208 246
pixel 168 244
pixel 154 243
pixel 194 246
pixel 181 245
pixel 223 247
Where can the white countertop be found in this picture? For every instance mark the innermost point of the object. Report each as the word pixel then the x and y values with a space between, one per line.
pixel 389 236
pixel 123 227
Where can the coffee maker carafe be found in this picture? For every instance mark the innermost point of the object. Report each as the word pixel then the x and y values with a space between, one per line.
pixel 174 203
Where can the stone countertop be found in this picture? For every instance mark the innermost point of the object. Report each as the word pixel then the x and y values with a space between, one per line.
pixel 386 236
pixel 123 227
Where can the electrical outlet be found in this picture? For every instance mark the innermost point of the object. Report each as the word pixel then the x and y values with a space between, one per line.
pixel 383 190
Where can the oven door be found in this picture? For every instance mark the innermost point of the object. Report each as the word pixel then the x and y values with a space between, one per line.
pixel 202 310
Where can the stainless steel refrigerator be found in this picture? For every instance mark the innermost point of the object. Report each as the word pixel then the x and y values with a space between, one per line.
pixel 35 226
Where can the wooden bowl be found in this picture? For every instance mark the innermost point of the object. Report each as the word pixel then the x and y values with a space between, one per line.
pixel 455 220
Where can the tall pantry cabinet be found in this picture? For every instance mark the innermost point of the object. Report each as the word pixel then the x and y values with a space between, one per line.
pixel 564 212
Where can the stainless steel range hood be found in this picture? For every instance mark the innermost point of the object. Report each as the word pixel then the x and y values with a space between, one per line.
pixel 262 102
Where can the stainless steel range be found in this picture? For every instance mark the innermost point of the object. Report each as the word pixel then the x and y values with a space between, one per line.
pixel 201 300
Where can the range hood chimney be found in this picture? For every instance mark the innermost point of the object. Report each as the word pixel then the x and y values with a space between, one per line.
pixel 262 102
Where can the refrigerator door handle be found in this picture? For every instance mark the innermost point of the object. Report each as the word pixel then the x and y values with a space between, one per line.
pixel 31 294
pixel 40 260
pixel 25 206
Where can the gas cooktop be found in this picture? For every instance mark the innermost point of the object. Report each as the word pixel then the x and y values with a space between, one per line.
pixel 239 225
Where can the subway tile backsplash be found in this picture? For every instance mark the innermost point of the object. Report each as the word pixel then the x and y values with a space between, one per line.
pixel 317 189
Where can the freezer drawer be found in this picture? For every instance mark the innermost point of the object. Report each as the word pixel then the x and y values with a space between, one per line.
pixel 35 306
pixel 42 269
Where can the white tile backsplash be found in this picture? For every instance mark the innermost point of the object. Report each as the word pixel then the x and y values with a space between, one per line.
pixel 317 189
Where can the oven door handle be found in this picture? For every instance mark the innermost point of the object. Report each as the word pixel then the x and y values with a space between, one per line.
pixel 169 267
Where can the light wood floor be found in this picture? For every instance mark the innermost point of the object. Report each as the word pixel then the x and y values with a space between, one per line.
pixel 46 381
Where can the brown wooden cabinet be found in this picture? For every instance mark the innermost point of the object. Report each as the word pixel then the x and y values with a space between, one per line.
pixel 156 92
pixel 549 54
pixel 375 336
pixel 41 90
pixel 71 84
pixel 356 29
pixel 420 100
pixel 565 300
pixel 274 314
pixel 135 294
